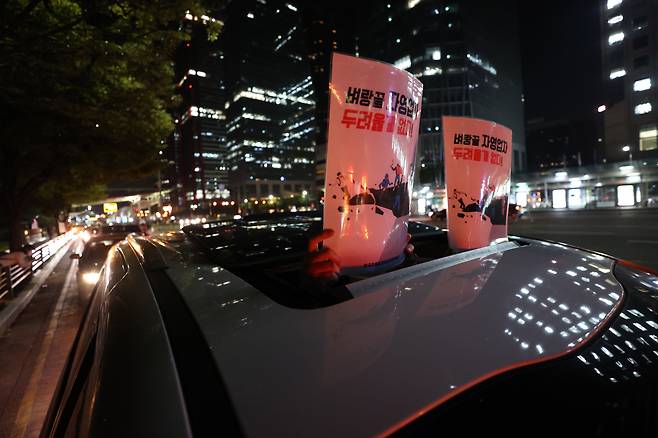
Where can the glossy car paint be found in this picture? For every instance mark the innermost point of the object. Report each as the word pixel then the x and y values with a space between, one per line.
pixel 407 342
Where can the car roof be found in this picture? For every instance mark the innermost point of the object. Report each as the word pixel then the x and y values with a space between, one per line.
pixel 363 366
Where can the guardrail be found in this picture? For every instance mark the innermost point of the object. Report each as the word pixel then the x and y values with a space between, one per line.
pixel 13 276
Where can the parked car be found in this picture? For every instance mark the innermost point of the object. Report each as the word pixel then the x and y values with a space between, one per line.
pixel 209 332
pixel 514 211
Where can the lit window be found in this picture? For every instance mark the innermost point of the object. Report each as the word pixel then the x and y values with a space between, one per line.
pixel 643 108
pixel 648 138
pixel 433 53
pixel 625 195
pixel 559 198
pixel 642 84
pixel 613 3
pixel 616 19
pixel 615 38
pixel 403 63
pixel 617 73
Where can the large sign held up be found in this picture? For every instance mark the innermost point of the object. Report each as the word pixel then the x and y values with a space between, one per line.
pixel 374 116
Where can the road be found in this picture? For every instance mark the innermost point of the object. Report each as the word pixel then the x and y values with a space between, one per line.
pixel 629 234
pixel 33 352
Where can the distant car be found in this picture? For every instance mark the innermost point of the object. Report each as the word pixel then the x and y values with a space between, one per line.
pixel 94 253
pixel 211 333
pixel 515 212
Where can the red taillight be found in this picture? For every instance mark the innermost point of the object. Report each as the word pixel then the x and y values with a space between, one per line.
pixel 637 266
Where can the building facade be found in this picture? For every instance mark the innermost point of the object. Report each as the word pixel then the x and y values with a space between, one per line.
pixel 197 170
pixel 270 110
pixel 630 51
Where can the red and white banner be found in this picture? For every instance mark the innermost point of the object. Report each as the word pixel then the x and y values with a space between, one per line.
pixel 478 158
pixel 374 116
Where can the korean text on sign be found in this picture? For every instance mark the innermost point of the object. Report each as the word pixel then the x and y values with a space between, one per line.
pixel 378 122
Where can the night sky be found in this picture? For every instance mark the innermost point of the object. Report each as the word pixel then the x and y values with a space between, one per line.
pixel 561 53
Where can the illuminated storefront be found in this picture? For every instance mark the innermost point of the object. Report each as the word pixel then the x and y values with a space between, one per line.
pixel 627 184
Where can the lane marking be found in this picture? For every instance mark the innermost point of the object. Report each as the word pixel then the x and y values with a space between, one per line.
pixel 27 403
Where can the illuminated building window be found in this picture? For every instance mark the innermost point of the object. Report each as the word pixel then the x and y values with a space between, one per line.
pixel 642 84
pixel 625 195
pixel 616 19
pixel 403 63
pixel 433 53
pixel 643 108
pixel 648 138
pixel 475 59
pixel 615 38
pixel 613 3
pixel 618 73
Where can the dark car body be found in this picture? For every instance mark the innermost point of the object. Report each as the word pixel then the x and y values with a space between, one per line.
pixel 211 333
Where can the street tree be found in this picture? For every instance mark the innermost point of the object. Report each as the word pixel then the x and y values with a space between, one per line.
pixel 85 89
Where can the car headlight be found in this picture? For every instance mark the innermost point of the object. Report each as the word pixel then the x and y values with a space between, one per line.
pixel 90 277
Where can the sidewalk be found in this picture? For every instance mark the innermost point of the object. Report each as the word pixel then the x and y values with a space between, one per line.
pixel 34 349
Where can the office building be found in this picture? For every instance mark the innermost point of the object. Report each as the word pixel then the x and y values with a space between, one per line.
pixel 270 106
pixel 629 42
pixel 197 172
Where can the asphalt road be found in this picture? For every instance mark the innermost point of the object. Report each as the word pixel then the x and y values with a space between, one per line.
pixel 630 234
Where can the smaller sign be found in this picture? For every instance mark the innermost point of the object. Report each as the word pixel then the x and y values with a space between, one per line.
pixel 110 207
pixel 478 158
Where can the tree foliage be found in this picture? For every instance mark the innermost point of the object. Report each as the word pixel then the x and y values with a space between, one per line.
pixel 84 91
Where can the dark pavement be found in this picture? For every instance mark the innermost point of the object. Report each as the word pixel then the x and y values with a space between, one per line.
pixel 630 234
pixel 34 350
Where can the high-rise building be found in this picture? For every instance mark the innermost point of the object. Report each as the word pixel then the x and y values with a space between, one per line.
pixel 556 144
pixel 468 66
pixel 630 52
pixel 466 53
pixel 198 173
pixel 270 107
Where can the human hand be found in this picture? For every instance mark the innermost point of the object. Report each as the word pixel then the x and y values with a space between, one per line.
pixel 409 249
pixel 322 263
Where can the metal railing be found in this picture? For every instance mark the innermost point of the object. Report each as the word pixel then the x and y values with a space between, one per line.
pixel 15 275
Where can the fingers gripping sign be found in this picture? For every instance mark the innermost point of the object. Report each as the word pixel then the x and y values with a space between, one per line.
pixel 322 262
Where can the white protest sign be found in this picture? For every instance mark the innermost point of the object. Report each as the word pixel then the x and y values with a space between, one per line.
pixel 478 157
pixel 374 116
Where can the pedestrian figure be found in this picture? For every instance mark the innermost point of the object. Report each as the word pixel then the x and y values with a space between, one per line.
pixel 398 173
